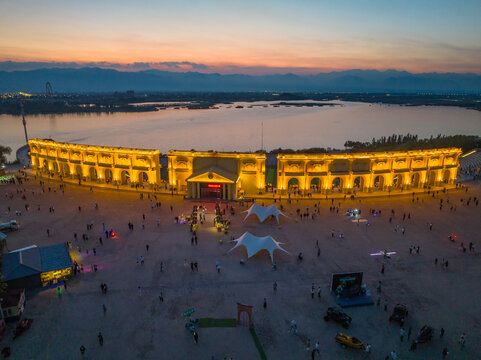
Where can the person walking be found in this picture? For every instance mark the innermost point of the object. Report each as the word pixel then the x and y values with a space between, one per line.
pixel 196 337
pixel 82 350
pixel 319 292
pixel 265 303
pixel 385 304
pixel 441 333
pixel 161 297
pixel 402 332
pixel 274 286
pixel 409 332
pixel 445 353
pixel 101 339
pixel 414 344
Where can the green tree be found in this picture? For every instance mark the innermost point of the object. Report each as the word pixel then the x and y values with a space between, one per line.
pixel 4 151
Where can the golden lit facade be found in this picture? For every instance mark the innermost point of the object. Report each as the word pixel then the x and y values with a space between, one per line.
pixel 214 174
pixel 366 172
pixel 101 164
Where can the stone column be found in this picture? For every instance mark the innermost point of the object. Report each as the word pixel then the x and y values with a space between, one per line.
pixel 223 191
pixel 197 185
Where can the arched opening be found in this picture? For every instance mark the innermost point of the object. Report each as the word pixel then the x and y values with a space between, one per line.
pixel 55 167
pixel 125 177
pixel 143 178
pixel 45 165
pixel 316 184
pixel 415 180
pixel 108 175
pixel 293 184
pixel 447 176
pixel 379 182
pixel 432 178
pixel 397 181
pixel 359 183
pixel 78 171
pixel 65 169
pixel 244 319
pixel 93 174
pixel 336 184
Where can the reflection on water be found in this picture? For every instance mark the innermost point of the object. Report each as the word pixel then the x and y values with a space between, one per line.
pixel 239 129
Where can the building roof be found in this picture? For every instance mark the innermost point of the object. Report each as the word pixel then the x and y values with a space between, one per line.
pixel 33 261
pixel 213 174
pixel 216 154
pixel 55 257
pixel 371 154
pixel 21 264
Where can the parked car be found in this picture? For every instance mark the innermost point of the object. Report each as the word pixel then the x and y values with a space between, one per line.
pixel 336 314
pixel 425 334
pixel 399 314
pixel 349 341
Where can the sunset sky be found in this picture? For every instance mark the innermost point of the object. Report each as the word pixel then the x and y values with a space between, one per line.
pixel 255 37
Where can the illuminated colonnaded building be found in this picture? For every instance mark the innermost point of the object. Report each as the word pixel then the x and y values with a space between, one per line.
pixel 232 175
pixel 366 172
pixel 214 174
pixel 101 164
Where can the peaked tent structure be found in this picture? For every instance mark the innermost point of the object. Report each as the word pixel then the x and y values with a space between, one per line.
pixel 263 212
pixel 254 244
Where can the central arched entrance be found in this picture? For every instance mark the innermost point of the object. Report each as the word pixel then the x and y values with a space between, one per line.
pixel 336 184
pixel 446 176
pixel 93 174
pixel 125 177
pixel 315 184
pixel 359 183
pixel 108 175
pixel 293 184
pixel 378 182
pixel 55 168
pixel 143 178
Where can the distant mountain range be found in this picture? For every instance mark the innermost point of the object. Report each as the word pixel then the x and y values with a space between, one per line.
pixel 107 80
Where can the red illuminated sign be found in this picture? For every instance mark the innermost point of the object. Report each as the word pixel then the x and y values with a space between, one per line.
pixel 214 186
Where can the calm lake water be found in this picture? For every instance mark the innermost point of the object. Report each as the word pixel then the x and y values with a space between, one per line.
pixel 231 129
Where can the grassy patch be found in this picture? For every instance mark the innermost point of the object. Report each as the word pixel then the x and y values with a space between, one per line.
pixel 211 322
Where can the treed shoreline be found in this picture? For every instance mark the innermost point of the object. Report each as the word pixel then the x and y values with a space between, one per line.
pixel 133 102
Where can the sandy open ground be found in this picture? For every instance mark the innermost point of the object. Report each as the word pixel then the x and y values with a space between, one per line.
pixel 142 327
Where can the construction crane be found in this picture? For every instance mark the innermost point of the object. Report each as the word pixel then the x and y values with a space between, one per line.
pixel 24 122
pixel 48 89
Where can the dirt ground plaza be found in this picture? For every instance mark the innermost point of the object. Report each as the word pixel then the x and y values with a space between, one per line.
pixel 140 326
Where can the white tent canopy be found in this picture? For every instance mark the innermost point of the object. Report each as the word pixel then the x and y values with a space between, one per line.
pixel 263 212
pixel 254 244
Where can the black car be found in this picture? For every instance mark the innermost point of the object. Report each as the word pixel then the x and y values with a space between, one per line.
pixel 336 314
pixel 399 314
pixel 425 334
